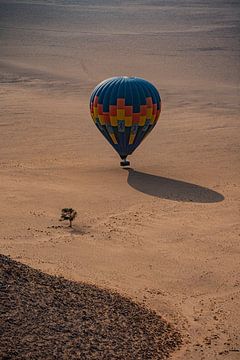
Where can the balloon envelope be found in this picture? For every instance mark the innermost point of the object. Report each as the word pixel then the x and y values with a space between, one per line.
pixel 125 110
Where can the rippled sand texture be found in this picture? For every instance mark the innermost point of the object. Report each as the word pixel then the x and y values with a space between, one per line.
pixel 164 232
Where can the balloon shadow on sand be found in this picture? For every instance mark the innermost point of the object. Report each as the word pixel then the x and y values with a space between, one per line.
pixel 171 189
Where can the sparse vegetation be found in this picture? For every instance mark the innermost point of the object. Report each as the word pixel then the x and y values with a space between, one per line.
pixel 68 214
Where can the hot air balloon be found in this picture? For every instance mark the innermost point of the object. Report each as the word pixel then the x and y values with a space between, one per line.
pixel 125 110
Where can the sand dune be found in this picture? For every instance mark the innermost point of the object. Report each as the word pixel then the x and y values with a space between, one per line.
pixel 166 231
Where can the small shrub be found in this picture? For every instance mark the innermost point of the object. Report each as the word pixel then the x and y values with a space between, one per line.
pixel 68 214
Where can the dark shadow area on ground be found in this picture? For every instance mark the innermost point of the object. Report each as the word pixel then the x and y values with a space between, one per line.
pixel 47 317
pixel 74 230
pixel 171 189
pixel 79 230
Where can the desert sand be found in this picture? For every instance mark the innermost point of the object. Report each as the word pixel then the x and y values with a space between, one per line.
pixel 164 232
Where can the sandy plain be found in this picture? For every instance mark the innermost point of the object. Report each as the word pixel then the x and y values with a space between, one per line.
pixel 165 232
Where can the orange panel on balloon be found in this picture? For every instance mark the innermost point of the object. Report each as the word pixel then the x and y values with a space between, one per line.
pixel 100 108
pixel 143 109
pixel 95 101
pixel 113 110
pixel 106 118
pixel 128 110
pixel 136 118
pixel 149 101
pixel 154 108
pixel 120 103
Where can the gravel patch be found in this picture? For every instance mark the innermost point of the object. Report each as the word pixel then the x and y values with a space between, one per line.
pixel 48 317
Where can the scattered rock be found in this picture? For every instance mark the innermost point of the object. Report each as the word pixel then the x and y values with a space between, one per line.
pixel 47 317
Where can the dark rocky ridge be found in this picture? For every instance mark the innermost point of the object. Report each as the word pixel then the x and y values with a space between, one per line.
pixel 47 317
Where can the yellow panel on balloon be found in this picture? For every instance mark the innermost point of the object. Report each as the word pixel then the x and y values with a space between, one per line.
pixel 120 114
pixel 113 120
pixel 131 139
pixel 149 112
pixel 113 138
pixel 142 120
pixel 128 120
pixel 101 119
pixel 152 118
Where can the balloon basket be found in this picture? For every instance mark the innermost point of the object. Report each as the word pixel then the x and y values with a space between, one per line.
pixel 124 163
